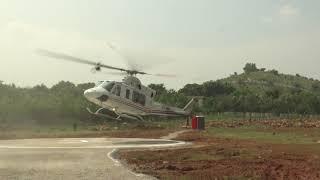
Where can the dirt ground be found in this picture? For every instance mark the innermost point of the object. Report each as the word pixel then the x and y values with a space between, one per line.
pixel 213 157
pixel 275 123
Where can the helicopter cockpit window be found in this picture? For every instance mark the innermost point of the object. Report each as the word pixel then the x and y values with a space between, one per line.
pixel 99 83
pixel 108 86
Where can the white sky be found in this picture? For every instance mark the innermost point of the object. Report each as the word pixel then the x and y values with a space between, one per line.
pixel 203 39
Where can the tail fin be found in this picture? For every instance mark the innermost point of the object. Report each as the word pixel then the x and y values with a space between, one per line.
pixel 188 108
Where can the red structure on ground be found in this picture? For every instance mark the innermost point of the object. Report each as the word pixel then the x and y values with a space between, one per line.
pixel 194 122
pixel 198 122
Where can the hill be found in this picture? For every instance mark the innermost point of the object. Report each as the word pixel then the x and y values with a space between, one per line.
pixel 258 90
pixel 261 81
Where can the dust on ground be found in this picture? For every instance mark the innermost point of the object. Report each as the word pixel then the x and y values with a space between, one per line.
pixel 137 131
pixel 87 134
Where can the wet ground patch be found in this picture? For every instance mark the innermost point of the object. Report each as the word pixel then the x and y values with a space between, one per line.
pixel 146 142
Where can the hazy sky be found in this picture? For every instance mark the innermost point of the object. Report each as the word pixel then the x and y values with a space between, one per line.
pixel 198 40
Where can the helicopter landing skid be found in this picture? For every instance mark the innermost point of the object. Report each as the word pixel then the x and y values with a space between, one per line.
pixel 136 117
pixel 125 115
pixel 130 116
pixel 97 113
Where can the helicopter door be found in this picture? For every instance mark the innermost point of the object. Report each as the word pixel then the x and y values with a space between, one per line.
pixel 128 94
pixel 116 90
pixel 139 98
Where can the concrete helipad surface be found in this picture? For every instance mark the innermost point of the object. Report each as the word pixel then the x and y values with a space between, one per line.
pixel 70 158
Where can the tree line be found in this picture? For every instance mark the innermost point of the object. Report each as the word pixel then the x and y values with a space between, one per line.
pixel 65 100
pixel 223 97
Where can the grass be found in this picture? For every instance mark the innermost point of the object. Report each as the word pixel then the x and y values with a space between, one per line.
pixel 225 116
pixel 259 134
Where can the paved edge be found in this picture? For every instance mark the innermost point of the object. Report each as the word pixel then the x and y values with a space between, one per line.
pixel 169 137
pixel 112 154
pixel 174 134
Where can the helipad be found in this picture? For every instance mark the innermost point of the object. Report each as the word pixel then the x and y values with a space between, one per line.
pixel 70 158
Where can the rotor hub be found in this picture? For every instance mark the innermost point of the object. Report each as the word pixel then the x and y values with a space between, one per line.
pixel 132 81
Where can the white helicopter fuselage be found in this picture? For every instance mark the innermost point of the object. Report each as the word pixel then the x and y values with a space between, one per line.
pixel 130 98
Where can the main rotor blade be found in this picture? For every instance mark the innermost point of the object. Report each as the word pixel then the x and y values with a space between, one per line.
pixel 115 73
pixel 62 56
pixel 80 60
pixel 139 60
pixel 165 75
pixel 129 62
pixel 157 75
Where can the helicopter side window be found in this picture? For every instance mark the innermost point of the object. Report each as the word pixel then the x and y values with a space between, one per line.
pixel 117 90
pixel 139 98
pixel 108 86
pixel 128 93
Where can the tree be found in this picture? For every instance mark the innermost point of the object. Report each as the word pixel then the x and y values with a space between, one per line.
pixel 273 93
pixel 159 88
pixel 315 86
pixel 85 86
pixel 275 72
pixel 250 67
pixel 192 90
pixel 215 88
pixel 245 100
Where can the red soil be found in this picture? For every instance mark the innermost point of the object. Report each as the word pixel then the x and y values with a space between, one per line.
pixel 219 158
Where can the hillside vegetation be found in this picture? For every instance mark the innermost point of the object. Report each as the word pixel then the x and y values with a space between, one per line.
pixel 259 90
pixel 261 81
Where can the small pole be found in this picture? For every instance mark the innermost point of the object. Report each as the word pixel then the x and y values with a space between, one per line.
pixel 187 123
pixel 75 126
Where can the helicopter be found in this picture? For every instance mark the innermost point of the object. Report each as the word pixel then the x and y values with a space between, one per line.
pixel 126 99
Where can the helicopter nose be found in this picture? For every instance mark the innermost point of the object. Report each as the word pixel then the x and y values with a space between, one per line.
pixel 86 93
pixel 93 94
pixel 89 93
